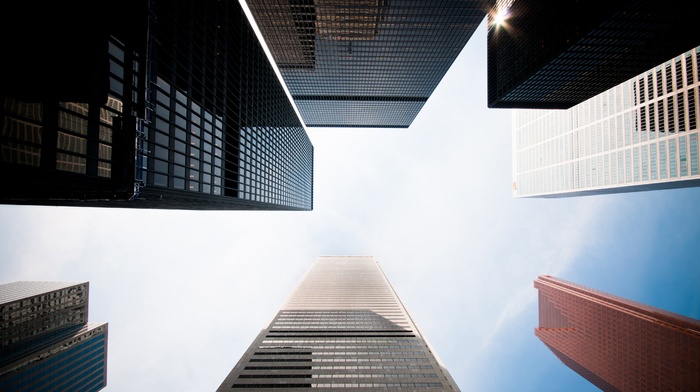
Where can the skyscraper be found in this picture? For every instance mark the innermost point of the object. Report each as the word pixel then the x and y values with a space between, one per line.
pixel 343 326
pixel 46 341
pixel 615 343
pixel 365 63
pixel 640 135
pixel 154 104
pixel 554 54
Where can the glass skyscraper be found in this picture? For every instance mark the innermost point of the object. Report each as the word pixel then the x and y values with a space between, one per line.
pixel 343 326
pixel 615 343
pixel 177 108
pixel 640 135
pixel 365 63
pixel 554 54
pixel 46 341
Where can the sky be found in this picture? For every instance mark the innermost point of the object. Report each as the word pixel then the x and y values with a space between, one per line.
pixel 186 292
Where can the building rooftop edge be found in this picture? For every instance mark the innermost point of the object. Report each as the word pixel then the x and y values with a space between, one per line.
pixel 648 310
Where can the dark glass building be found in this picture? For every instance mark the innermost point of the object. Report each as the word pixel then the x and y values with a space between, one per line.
pixel 615 343
pixel 365 63
pixel 555 54
pixel 155 105
pixel 46 342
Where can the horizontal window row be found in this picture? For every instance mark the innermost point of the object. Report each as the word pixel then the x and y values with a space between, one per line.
pixel 334 360
pixel 338 340
pixel 371 367
pixel 341 367
pixel 344 385
pixel 332 346
pixel 339 375
pixel 341 353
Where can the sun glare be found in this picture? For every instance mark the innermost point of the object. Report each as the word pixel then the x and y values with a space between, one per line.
pixel 500 17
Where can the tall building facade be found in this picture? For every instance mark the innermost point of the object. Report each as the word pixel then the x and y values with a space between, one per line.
pixel 554 54
pixel 366 63
pixel 46 341
pixel 162 105
pixel 343 326
pixel 640 135
pixel 615 343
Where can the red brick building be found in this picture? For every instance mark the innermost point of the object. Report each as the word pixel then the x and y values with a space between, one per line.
pixel 615 343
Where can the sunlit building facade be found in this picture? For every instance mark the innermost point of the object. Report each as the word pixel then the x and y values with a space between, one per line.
pixel 641 135
pixel 343 326
pixel 179 108
pixel 615 343
pixel 554 54
pixel 46 341
pixel 368 63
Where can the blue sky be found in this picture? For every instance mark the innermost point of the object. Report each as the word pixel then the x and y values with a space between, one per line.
pixel 186 292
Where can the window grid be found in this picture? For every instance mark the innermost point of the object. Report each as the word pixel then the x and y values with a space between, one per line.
pixel 589 148
pixel 365 63
pixel 198 133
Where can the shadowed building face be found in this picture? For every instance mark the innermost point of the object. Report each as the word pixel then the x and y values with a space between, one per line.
pixel 554 54
pixel 180 108
pixel 46 341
